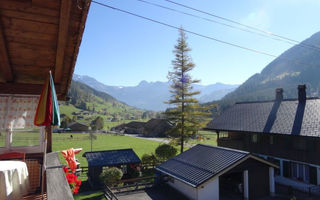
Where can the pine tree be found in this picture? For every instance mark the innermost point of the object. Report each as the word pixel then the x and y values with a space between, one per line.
pixel 187 115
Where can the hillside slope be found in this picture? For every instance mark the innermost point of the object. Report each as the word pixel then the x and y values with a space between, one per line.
pixel 297 65
pixel 87 103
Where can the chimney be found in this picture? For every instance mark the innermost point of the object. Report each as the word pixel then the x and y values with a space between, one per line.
pixel 279 94
pixel 302 93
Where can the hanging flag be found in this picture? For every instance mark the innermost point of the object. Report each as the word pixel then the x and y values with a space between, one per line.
pixel 48 109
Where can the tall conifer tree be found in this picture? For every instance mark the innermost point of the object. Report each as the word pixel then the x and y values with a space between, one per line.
pixel 187 115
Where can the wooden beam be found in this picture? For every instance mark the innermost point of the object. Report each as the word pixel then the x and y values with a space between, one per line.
pixel 85 11
pixel 23 88
pixel 4 58
pixel 49 138
pixel 62 38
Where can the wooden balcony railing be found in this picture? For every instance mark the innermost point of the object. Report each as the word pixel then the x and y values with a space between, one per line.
pixel 57 185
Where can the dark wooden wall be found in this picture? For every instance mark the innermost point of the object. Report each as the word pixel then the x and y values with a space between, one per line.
pixel 298 148
pixel 258 177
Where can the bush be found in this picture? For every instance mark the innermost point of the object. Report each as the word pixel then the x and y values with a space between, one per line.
pixel 165 151
pixel 134 171
pixel 149 159
pixel 110 176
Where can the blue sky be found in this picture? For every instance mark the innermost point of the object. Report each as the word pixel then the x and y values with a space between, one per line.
pixel 119 49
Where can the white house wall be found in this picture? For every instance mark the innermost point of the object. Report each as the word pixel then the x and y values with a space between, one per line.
pixel 184 188
pixel 210 190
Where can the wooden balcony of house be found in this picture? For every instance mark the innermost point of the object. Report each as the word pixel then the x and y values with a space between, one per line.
pixel 55 187
pixel 36 37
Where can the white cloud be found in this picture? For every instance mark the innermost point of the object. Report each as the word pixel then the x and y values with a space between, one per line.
pixel 258 18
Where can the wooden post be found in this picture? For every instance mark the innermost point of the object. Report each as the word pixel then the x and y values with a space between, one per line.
pixel 49 138
pixel 271 181
pixel 245 184
pixel 217 136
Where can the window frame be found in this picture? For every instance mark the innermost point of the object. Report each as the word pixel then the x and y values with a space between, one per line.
pixel 9 132
pixel 27 149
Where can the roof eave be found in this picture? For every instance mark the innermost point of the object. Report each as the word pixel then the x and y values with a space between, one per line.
pixel 77 47
pixel 186 182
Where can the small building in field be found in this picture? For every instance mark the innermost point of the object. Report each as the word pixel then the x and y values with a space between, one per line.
pixel 133 127
pixel 156 128
pixel 208 172
pixel 77 126
pixel 97 160
pixel 151 128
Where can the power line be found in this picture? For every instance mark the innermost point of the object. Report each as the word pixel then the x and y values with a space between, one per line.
pixel 200 35
pixel 214 21
pixel 244 25
pixel 187 31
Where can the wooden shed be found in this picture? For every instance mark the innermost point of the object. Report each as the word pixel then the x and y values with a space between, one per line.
pixel 77 126
pixel 97 160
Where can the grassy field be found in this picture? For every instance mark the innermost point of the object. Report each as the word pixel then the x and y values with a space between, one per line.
pixel 103 142
pixel 63 141
pixel 206 137
pixel 107 142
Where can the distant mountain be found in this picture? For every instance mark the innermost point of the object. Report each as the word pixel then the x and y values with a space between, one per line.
pixel 298 65
pixel 87 103
pixel 152 95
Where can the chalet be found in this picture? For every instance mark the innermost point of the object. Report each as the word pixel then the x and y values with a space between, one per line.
pixel 37 36
pixel 207 172
pixel 285 131
pixel 121 158
pixel 156 128
pixel 151 128
pixel 77 126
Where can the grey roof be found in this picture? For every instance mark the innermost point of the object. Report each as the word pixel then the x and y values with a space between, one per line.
pixel 75 123
pixel 284 117
pixel 111 157
pixel 200 163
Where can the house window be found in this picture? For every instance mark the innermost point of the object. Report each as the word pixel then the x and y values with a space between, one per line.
pixel 16 124
pixel 271 139
pixel 254 138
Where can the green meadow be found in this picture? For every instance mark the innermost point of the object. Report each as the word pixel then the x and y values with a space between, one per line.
pixel 102 142
pixel 108 142
pixel 63 141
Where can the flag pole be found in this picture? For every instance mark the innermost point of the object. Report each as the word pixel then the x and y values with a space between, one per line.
pixel 44 146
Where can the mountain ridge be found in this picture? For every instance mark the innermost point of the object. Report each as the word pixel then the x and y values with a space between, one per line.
pixel 297 65
pixel 152 95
